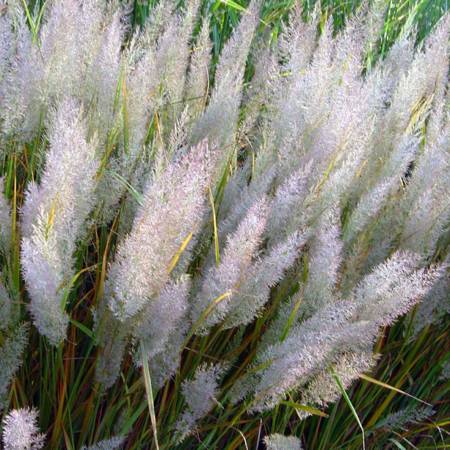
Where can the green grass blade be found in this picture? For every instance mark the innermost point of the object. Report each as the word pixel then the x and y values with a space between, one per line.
pixel 350 404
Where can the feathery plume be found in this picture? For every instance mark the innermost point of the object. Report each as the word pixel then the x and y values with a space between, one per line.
pixel 54 218
pixel 197 84
pixel 201 395
pixel 172 211
pixel 219 121
pixel 114 443
pixel 279 442
pixel 20 430
pixel 264 274
pixel 323 263
pixel 222 283
pixel 11 356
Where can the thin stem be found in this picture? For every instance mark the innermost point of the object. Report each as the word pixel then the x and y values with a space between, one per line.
pixel 149 391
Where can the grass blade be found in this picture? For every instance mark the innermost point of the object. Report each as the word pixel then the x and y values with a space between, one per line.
pixel 350 404
pixel 149 392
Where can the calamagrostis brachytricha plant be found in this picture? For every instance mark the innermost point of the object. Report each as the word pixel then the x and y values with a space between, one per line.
pixel 309 206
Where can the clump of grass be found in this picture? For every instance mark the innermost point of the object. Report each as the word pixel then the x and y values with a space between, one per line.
pixel 209 232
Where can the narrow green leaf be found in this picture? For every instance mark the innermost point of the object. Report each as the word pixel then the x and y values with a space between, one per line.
pixel 306 408
pixel 350 404
pixel 149 391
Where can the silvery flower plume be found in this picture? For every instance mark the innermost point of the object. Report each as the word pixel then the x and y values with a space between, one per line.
pixel 168 220
pixel 288 197
pixel 289 310
pixel 279 442
pixel 178 137
pixel 103 76
pixel 348 367
pixel 235 51
pixel 162 317
pixel 324 260
pixel 112 338
pixel 239 197
pixel 445 370
pixel 138 100
pixel 435 304
pixel 425 204
pixel 173 206
pixel 159 19
pixel 165 364
pixel 5 219
pixel 68 39
pixel 296 46
pixel 114 443
pixel 11 351
pixel 258 93
pixel 21 86
pixel 254 291
pixel 6 40
pixel 54 218
pixel 59 56
pixel 368 207
pixel 197 84
pixel 400 420
pixel 200 395
pixel 378 183
pixel 295 121
pixel 410 101
pixel 219 120
pixel 222 282
pixel 172 56
pixel 297 39
pixel 393 288
pixel 401 157
pixel 308 347
pixel 374 23
pixel 21 431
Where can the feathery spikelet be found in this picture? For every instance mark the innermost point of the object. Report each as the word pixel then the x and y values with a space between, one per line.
pixel 289 196
pixel 54 217
pixel 172 210
pixel 393 288
pixel 323 264
pixel 114 443
pixel 264 274
pixel 201 395
pixel 103 76
pixel 280 442
pixel 197 85
pixel 219 121
pixel 21 87
pixel 173 55
pixel 162 317
pixel 323 389
pixel 11 356
pixel 407 416
pixel 222 283
pixel 368 208
pixel 436 303
pixel 425 203
pixel 20 430
pixel 111 337
pixel 6 38
pixel 306 350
